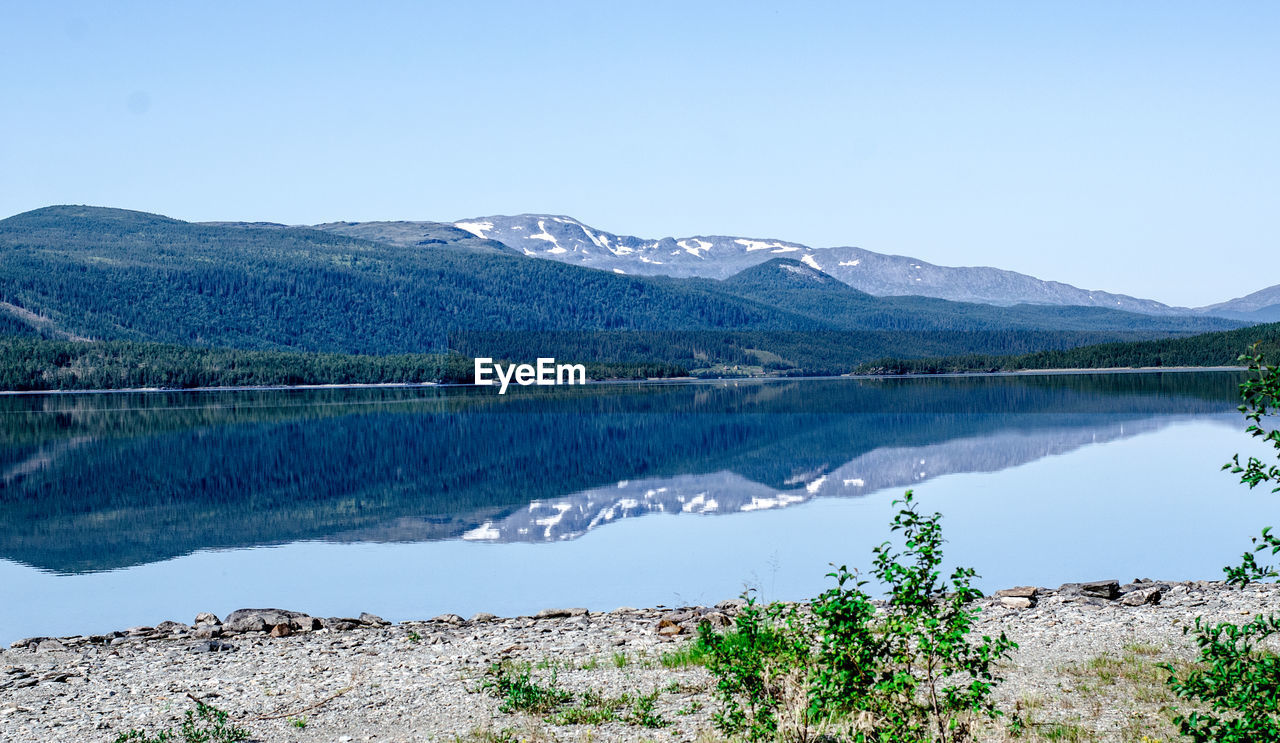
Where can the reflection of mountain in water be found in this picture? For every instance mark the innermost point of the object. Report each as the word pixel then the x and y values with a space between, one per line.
pixel 100 482
pixel 727 492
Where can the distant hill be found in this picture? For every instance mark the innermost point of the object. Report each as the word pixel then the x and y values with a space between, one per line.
pixel 76 272
pixel 1260 306
pixel 1207 349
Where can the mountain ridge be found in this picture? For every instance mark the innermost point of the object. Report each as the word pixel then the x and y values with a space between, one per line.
pixel 566 239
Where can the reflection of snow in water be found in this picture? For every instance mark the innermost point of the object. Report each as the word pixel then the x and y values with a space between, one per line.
pixel 728 492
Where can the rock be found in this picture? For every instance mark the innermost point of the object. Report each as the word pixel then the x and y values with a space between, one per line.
pixel 731 604
pixel 257 620
pixel 668 628
pixel 717 619
pixel 139 631
pixel 1017 602
pixel 560 613
pixel 213 646
pixel 27 642
pixel 1141 597
pixel 1022 592
pixel 172 628
pixel 205 617
pixel 1103 589
pixel 624 610
pixel 453 619
pixel 281 630
pixel 50 645
pixel 305 623
pixel 207 631
pixel 483 616
pixel 373 620
pixel 339 624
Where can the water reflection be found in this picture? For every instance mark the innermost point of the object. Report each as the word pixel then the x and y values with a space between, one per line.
pixel 100 482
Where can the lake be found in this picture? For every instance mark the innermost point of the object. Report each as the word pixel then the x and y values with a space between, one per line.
pixel 125 509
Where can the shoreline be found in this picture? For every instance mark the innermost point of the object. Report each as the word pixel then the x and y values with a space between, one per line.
pixel 645 381
pixel 364 679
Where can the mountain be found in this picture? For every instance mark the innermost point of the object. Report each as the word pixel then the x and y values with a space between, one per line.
pixel 1261 306
pixel 712 256
pixel 785 282
pixel 76 272
pixel 116 274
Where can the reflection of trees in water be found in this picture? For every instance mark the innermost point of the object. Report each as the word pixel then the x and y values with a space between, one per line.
pixel 154 476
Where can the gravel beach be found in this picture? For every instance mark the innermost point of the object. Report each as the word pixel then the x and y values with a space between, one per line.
pixel 286 676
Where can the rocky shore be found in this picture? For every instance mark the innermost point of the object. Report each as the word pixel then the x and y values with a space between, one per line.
pixel 288 676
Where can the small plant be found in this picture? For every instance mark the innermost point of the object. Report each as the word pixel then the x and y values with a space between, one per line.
pixel 642 712
pixel 298 722
pixel 515 686
pixel 692 654
pixel 754 665
pixel 911 674
pixel 204 724
pixel 620 660
pixel 414 637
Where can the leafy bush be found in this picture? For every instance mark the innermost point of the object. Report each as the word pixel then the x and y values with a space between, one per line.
pixel 1238 681
pixel 515 686
pixel 755 665
pixel 204 724
pixel 909 673
pixel 1241 683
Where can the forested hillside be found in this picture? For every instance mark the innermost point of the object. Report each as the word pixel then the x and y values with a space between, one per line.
pixel 113 274
pixel 85 273
pixel 29 363
pixel 1206 349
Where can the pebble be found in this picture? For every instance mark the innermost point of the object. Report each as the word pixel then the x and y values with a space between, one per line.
pixel 374 682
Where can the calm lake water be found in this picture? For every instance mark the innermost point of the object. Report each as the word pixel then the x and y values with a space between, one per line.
pixel 126 509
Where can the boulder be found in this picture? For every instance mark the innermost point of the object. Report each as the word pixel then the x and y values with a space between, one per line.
pixel 453 619
pixel 1103 589
pixel 373 620
pixel 1021 592
pixel 49 646
pixel 207 631
pixel 560 613
pixel 257 620
pixel 483 616
pixel 1141 597
pixel 667 628
pixel 172 628
pixel 205 617
pixel 305 623
pixel 339 624
pixel 284 629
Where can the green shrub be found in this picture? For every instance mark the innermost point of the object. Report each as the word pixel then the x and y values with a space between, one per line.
pixel 910 673
pixel 754 665
pixel 204 724
pixel 1238 681
pixel 514 685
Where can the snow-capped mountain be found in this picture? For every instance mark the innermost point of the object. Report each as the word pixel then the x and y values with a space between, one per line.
pixel 714 256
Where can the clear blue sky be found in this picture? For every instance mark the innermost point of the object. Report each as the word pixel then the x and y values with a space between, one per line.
pixel 1131 146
